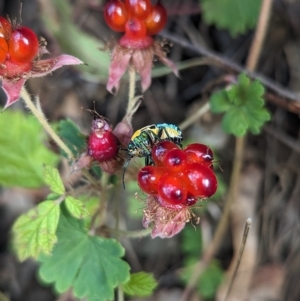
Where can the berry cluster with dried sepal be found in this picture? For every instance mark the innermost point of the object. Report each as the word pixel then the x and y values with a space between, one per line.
pixel 179 177
pixel 20 59
pixel 18 47
pixel 138 19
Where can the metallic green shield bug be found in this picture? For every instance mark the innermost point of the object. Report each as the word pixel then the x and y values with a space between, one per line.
pixel 145 138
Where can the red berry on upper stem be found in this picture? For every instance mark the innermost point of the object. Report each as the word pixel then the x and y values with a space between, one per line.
pixel 200 180
pixel 157 20
pixel 135 29
pixel 160 149
pixel 5 28
pixel 116 15
pixel 139 8
pixel 172 189
pixel 23 45
pixel 148 178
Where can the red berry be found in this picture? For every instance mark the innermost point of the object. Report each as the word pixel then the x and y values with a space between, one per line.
pixel 148 178
pixel 199 153
pixel 5 28
pixel 116 15
pixel 159 151
pixel 139 8
pixel 200 180
pixel 23 45
pixel 103 145
pixel 3 53
pixel 135 29
pixel 172 189
pixel 190 200
pixel 157 20
pixel 175 160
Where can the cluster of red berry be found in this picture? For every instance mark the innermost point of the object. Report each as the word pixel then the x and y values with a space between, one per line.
pixel 18 46
pixel 179 177
pixel 137 18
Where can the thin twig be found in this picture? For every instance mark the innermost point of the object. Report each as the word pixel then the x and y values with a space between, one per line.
pixel 43 121
pixel 242 247
pixel 224 62
pixel 196 116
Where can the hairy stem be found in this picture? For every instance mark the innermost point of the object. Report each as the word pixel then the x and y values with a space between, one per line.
pixel 43 121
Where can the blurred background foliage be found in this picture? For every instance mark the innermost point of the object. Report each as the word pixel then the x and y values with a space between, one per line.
pixel 270 181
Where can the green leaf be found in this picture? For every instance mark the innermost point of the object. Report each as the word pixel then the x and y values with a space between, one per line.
pixel 34 231
pixel 53 180
pixel 210 280
pixel 22 151
pixel 140 285
pixel 71 135
pixel 237 16
pixel 219 102
pixel 243 105
pixel 192 242
pixel 76 207
pixel 90 265
pixel 76 42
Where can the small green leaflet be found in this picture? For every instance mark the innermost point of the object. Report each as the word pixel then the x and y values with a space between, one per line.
pixel 76 207
pixel 209 281
pixel 53 180
pixel 140 285
pixel 237 16
pixel 243 105
pixel 22 152
pixel 34 231
pixel 90 265
pixel 71 135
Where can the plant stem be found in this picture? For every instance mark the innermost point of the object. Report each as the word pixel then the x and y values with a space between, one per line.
pixel 43 121
pixel 259 35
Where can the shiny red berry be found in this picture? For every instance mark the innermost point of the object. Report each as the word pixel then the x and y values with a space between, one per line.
pixel 199 153
pixel 139 8
pixel 190 200
pixel 175 160
pixel 172 189
pixel 159 151
pixel 103 145
pixel 148 178
pixel 200 180
pixel 135 29
pixel 157 20
pixel 5 28
pixel 23 45
pixel 116 15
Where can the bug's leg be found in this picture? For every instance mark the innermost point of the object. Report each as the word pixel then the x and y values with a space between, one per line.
pixel 124 169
